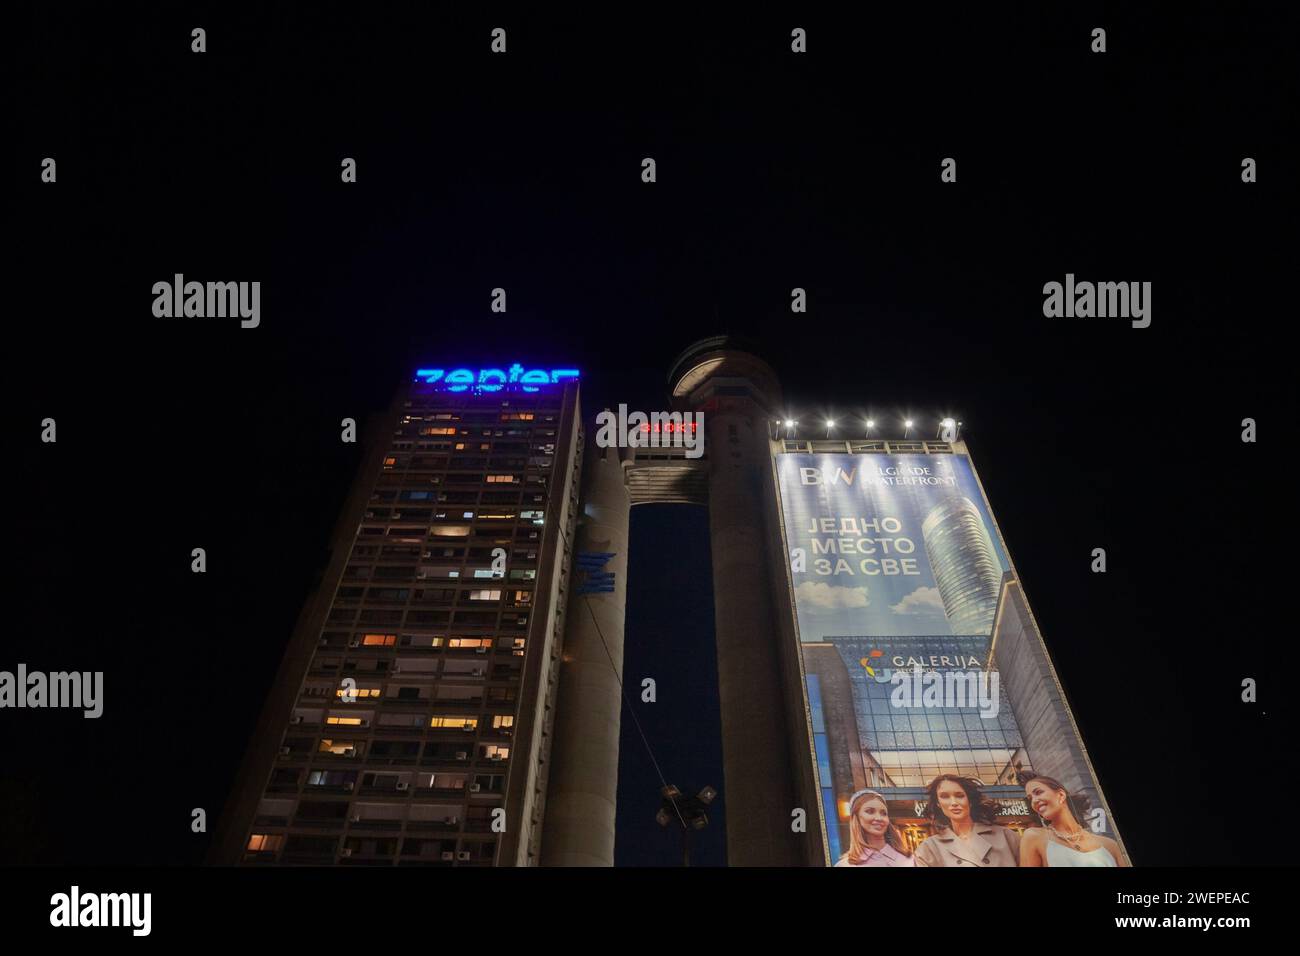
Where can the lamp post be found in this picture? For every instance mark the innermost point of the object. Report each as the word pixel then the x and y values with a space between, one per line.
pixel 689 813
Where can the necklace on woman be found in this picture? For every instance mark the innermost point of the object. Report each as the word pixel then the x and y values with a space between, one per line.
pixel 1071 840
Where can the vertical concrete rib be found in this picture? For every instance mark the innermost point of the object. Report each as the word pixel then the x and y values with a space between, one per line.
pixel 583 782
pixel 737 393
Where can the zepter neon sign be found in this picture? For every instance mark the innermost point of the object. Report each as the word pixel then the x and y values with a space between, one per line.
pixel 515 378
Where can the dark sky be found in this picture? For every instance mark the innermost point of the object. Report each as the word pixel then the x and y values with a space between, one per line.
pixel 522 171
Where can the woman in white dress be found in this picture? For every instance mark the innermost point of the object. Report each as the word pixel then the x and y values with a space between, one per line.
pixel 1062 840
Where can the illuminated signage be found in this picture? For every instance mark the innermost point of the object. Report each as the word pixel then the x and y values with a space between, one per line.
pixel 515 378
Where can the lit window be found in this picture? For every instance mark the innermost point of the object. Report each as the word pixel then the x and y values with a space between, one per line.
pixel 502 720
pixel 454 722
pixel 379 640
pixel 437 431
pixel 344 721
pixel 502 479
pixel 265 842
pixel 449 530
pixel 485 595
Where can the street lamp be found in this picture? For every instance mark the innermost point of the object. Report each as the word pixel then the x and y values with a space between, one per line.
pixel 689 813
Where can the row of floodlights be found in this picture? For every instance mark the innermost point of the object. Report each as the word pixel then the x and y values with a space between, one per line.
pixel 947 424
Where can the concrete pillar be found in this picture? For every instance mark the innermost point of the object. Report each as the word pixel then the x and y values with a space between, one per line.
pixel 737 393
pixel 583 781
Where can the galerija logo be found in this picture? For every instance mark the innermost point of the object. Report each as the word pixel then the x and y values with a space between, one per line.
pixel 656 430
pixel 962 683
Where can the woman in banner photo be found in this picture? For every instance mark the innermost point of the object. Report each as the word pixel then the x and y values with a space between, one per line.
pixel 1062 840
pixel 965 832
pixel 873 840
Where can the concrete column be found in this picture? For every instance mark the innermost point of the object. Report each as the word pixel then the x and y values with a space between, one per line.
pixel 758 778
pixel 583 781
pixel 739 393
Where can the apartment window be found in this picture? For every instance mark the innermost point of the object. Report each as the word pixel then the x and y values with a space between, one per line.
pixel 434 430
pixel 502 479
pixel 379 640
pixel 342 748
pixel 500 721
pixel 485 595
pixel 447 781
pixel 357 693
pixel 453 722
pixel 470 642
pixel 331 778
pixel 265 842
pixel 420 640
pixel 449 530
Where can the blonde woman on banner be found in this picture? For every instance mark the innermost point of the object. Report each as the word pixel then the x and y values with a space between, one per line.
pixel 873 839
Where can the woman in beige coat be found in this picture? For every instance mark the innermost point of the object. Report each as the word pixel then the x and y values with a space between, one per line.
pixel 965 833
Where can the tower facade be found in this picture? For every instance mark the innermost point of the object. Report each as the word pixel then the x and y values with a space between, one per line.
pixel 411 720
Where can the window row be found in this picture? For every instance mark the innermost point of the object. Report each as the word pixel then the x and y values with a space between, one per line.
pixel 413 849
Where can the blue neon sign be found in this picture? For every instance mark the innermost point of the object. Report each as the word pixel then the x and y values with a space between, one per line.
pixel 515 378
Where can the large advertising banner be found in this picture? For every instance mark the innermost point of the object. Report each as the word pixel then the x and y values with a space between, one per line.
pixel 940 734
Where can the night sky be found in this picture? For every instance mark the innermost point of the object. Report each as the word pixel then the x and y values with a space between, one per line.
pixel 523 171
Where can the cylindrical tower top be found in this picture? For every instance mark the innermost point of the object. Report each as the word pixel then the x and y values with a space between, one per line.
pixel 719 357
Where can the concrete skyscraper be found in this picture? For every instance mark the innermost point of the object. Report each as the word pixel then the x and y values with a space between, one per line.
pixel 411 720
pixel 454 694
